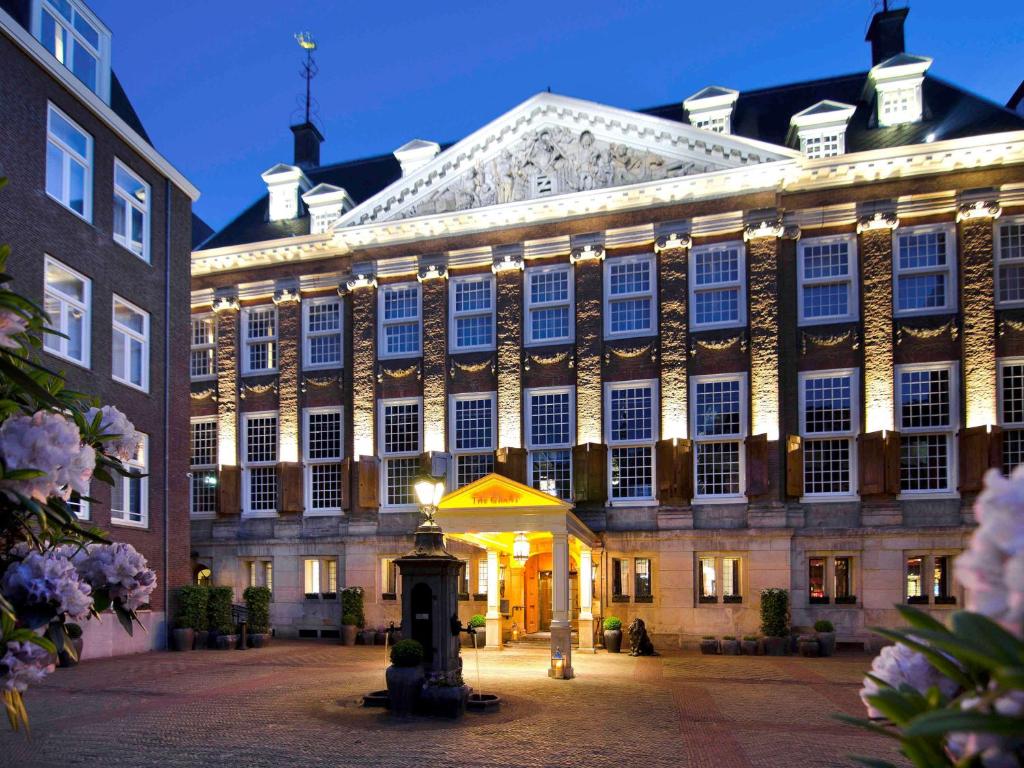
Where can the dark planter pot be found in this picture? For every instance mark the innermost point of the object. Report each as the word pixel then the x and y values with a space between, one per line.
pixel 776 646
pixel 379 638
pixel 807 645
pixel 827 643
pixel 259 639
pixel 368 636
pixel 613 640
pixel 183 639
pixel 404 685
pixel 227 642
pixel 348 634
pixel 479 639
pixel 709 647
pixel 730 647
pixel 65 659
pixel 444 701
pixel 749 647
pixel 202 639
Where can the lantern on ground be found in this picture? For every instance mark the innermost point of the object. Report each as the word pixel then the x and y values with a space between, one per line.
pixel 557 670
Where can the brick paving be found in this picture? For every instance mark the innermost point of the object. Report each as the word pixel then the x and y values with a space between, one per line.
pixel 297 704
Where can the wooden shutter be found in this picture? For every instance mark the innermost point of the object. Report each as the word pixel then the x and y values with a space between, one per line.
pixel 369 482
pixel 289 488
pixel 511 463
pixel 590 475
pixel 229 490
pixel 871 457
pixel 794 466
pixel 757 465
pixel 346 484
pixel 675 471
pixel 892 463
pixel 975 457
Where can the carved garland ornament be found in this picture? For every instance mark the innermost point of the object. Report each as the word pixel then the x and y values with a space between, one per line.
pixel 821 340
pixel 471 367
pixel 559 357
pixel 399 373
pixel 326 381
pixel 949 327
pixel 1013 325
pixel 718 345
pixel 203 394
pixel 257 389
pixel 630 353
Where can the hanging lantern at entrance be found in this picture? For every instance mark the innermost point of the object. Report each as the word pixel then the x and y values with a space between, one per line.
pixel 521 548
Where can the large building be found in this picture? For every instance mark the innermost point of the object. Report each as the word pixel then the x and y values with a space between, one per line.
pixel 99 225
pixel 743 340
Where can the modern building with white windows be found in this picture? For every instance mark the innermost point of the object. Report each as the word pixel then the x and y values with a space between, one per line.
pixel 665 358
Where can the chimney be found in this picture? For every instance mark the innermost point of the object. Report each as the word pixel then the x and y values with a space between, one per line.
pixel 307 145
pixel 886 33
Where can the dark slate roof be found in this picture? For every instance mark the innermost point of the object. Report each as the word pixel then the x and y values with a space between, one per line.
pixel 200 231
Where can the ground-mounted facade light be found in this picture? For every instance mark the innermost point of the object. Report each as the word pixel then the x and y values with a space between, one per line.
pixel 557 670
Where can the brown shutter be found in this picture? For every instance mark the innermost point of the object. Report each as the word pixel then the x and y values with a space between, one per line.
pixel 892 463
pixel 975 457
pixel 757 465
pixel 995 449
pixel 346 484
pixel 289 488
pixel 511 463
pixel 794 466
pixel 675 468
pixel 229 491
pixel 871 457
pixel 589 467
pixel 369 482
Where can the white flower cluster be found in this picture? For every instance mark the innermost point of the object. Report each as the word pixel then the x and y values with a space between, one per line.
pixel 993 750
pixel 50 579
pixel 119 568
pixel 899 665
pixel 22 665
pixel 126 445
pixel 51 444
pixel 11 324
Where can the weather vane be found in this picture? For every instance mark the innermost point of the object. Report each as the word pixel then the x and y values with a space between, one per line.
pixel 309 68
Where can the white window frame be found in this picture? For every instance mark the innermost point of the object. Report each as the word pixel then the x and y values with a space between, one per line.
pixel 208 347
pixel 119 508
pixel 718 558
pixel 308 462
pixel 454 315
pixel 385 456
pixel 950 270
pixel 530 305
pixel 131 204
pixel 851 434
pixel 248 340
pixel 649 444
pixel 1001 260
pixel 69 155
pixel 383 323
pixel 102 54
pixel 307 363
pixel 651 294
pixel 70 303
pixel 205 467
pixel 822 137
pixel 130 335
pixel 952 454
pixel 389 569
pixel 528 420
pixel 457 453
pixel 247 511
pixel 744 433
pixel 740 285
pixel 1017 426
pixel 851 280
pixel 322 573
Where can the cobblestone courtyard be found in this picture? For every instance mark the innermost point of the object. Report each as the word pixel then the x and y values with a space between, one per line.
pixel 296 704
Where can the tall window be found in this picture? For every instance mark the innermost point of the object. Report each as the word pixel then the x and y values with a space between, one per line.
pixel 69 163
pixel 130 345
pixel 717 278
pixel 202 353
pixel 472 436
pixel 1011 412
pixel 322 333
pixel 129 497
pixel 481 575
pixel 1010 263
pixel 828 423
pixel 67 299
pixel 320 578
pixel 924 261
pixel 471 299
pixel 131 211
pixel 631 426
pixel 720 424
pixel 259 328
pixel 927 406
pixel 388 578
pixel 549 300
pixel 550 429
pixel 399 309
pixel 642 591
pixel 323 453
pixel 827 268
pixel 629 296
pixel 203 483
pixel 77 40
pixel 400 430
pixel 260 465
pixel 620 579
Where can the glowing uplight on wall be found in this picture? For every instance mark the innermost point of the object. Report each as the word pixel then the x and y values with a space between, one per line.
pixel 288 446
pixel 673 424
pixel 433 436
pixel 227 440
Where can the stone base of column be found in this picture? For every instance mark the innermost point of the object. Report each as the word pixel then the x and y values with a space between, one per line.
pixel 881 514
pixel 494 633
pixel 586 634
pixel 675 518
pixel 770 515
pixel 967 509
pixel 561 640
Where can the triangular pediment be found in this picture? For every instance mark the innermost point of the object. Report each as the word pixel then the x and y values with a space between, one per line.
pixel 494 492
pixel 553 145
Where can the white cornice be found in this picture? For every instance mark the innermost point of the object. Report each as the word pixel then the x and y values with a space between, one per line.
pixel 35 51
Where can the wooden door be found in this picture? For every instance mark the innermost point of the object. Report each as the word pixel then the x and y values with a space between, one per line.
pixel 544 600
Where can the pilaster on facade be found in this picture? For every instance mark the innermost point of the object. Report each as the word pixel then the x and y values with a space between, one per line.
pixel 362 291
pixel 588 268
pixel 674 337
pixel 289 364
pixel 226 308
pixel 876 253
pixel 508 271
pixel 432 277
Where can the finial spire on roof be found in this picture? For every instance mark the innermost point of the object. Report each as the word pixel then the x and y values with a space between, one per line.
pixel 309 67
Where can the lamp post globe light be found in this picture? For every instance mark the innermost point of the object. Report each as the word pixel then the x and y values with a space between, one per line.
pixel 428 489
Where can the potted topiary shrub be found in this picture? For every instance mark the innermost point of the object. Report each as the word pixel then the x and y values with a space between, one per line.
pixel 478 638
pixel 749 645
pixel 348 629
pixel 219 615
pixel 70 658
pixel 405 677
pixel 775 620
pixel 257 604
pixel 190 618
pixel 613 634
pixel 826 633
pixel 730 646
pixel 709 645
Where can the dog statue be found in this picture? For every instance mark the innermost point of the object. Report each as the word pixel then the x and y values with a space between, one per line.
pixel 639 642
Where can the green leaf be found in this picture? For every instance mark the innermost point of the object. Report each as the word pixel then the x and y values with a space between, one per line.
pixel 863 722
pixel 895 705
pixel 125 618
pixel 1010 677
pixel 915 617
pixel 874 762
pixel 987 634
pixel 942 721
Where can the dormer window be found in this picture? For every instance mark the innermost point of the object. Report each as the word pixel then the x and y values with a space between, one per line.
pixel 77 39
pixel 711 108
pixel 898 83
pixel 326 204
pixel 821 128
pixel 284 185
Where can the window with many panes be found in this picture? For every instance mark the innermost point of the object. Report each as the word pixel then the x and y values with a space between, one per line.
pixel 827 267
pixel 629 296
pixel 1010 262
pixel 323 453
pixel 129 497
pixel 549 301
pixel 642 587
pixel 828 424
pixel 929 578
pixel 68 163
pixel 1011 412
pixel 320 578
pixel 719 579
pixel 321 333
pixel 472 417
pixel 67 299
pixel 482 574
pixel 717 279
pixel 927 409
pixel 924 259
pixel 399 311
pixel 77 39
pixel 203 465
pixel 631 429
pixel 719 428
pixel 259 334
pixel 828 143
pixel 259 467
pixel 830 579
pixel 203 349
pixel 471 301
pixel 400 447
pixel 130 344
pixel 550 430
pixel 131 211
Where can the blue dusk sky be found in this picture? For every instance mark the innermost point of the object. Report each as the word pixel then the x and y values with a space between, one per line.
pixel 217 83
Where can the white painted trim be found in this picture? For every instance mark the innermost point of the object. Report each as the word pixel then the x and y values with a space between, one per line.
pixel 117 327
pixel 453 315
pixel 454 398
pixel 306 346
pixel 143 491
pixel 69 155
pixel 950 431
pixel 308 463
pixel 851 280
pixel 193 468
pixel 85 306
pixel 1001 363
pixel 851 434
pixel 528 421
pixel 609 387
pixel 652 295
pixel 529 304
pixel 147 212
pixel 383 480
pixel 950 270
pixel 740 284
pixel 997 247
pixel 382 322
pixel 246 465
pixel 204 316
pixel 744 398
pixel 275 339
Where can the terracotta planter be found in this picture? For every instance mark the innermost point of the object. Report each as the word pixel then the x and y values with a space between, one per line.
pixel 709 647
pixel 730 647
pixel 807 645
pixel 748 647
pixel 183 639
pixel 348 634
pixel 776 646
pixel 613 640
pixel 827 643
pixel 404 685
